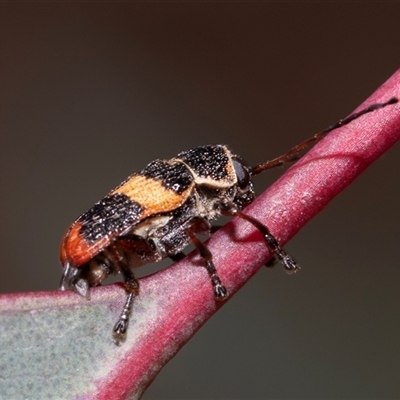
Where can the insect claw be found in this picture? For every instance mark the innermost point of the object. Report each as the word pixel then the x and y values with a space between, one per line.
pixel 220 292
pixel 119 331
pixel 120 328
pixel 289 264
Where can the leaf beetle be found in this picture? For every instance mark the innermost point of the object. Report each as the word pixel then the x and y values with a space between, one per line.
pixel 157 212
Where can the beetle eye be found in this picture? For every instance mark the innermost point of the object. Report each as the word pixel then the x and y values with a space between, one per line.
pixel 242 172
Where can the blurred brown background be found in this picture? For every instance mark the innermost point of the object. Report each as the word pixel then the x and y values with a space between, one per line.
pixel 91 92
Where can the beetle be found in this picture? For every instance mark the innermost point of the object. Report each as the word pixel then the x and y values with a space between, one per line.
pixel 158 211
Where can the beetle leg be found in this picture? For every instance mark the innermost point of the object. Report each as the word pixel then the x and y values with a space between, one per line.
pixel 132 288
pixel 131 285
pixel 288 263
pixel 219 289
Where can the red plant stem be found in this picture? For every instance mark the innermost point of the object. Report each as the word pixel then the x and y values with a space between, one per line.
pixel 185 291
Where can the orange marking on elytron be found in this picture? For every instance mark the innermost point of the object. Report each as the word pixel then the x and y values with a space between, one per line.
pixel 76 250
pixel 152 195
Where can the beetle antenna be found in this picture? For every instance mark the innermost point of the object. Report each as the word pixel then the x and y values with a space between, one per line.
pixel 291 154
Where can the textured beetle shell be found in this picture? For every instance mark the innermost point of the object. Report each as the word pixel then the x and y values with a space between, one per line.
pixel 160 188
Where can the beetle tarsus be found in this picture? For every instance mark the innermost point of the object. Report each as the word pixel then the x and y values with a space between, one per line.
pixel 120 328
pixel 220 290
pixel 119 331
pixel 289 264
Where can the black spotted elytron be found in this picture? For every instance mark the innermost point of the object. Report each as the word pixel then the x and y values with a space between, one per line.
pixel 158 211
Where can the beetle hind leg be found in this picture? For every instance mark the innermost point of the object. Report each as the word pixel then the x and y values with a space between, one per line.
pixel 132 289
pixel 117 254
pixel 220 291
pixel 121 326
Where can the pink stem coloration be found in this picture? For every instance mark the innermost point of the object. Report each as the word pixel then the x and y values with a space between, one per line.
pixel 174 303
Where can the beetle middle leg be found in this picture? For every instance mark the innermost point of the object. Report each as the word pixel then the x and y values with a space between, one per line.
pixel 288 263
pixel 220 291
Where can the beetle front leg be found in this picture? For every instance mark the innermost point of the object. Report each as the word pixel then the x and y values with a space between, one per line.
pixel 220 291
pixel 288 263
